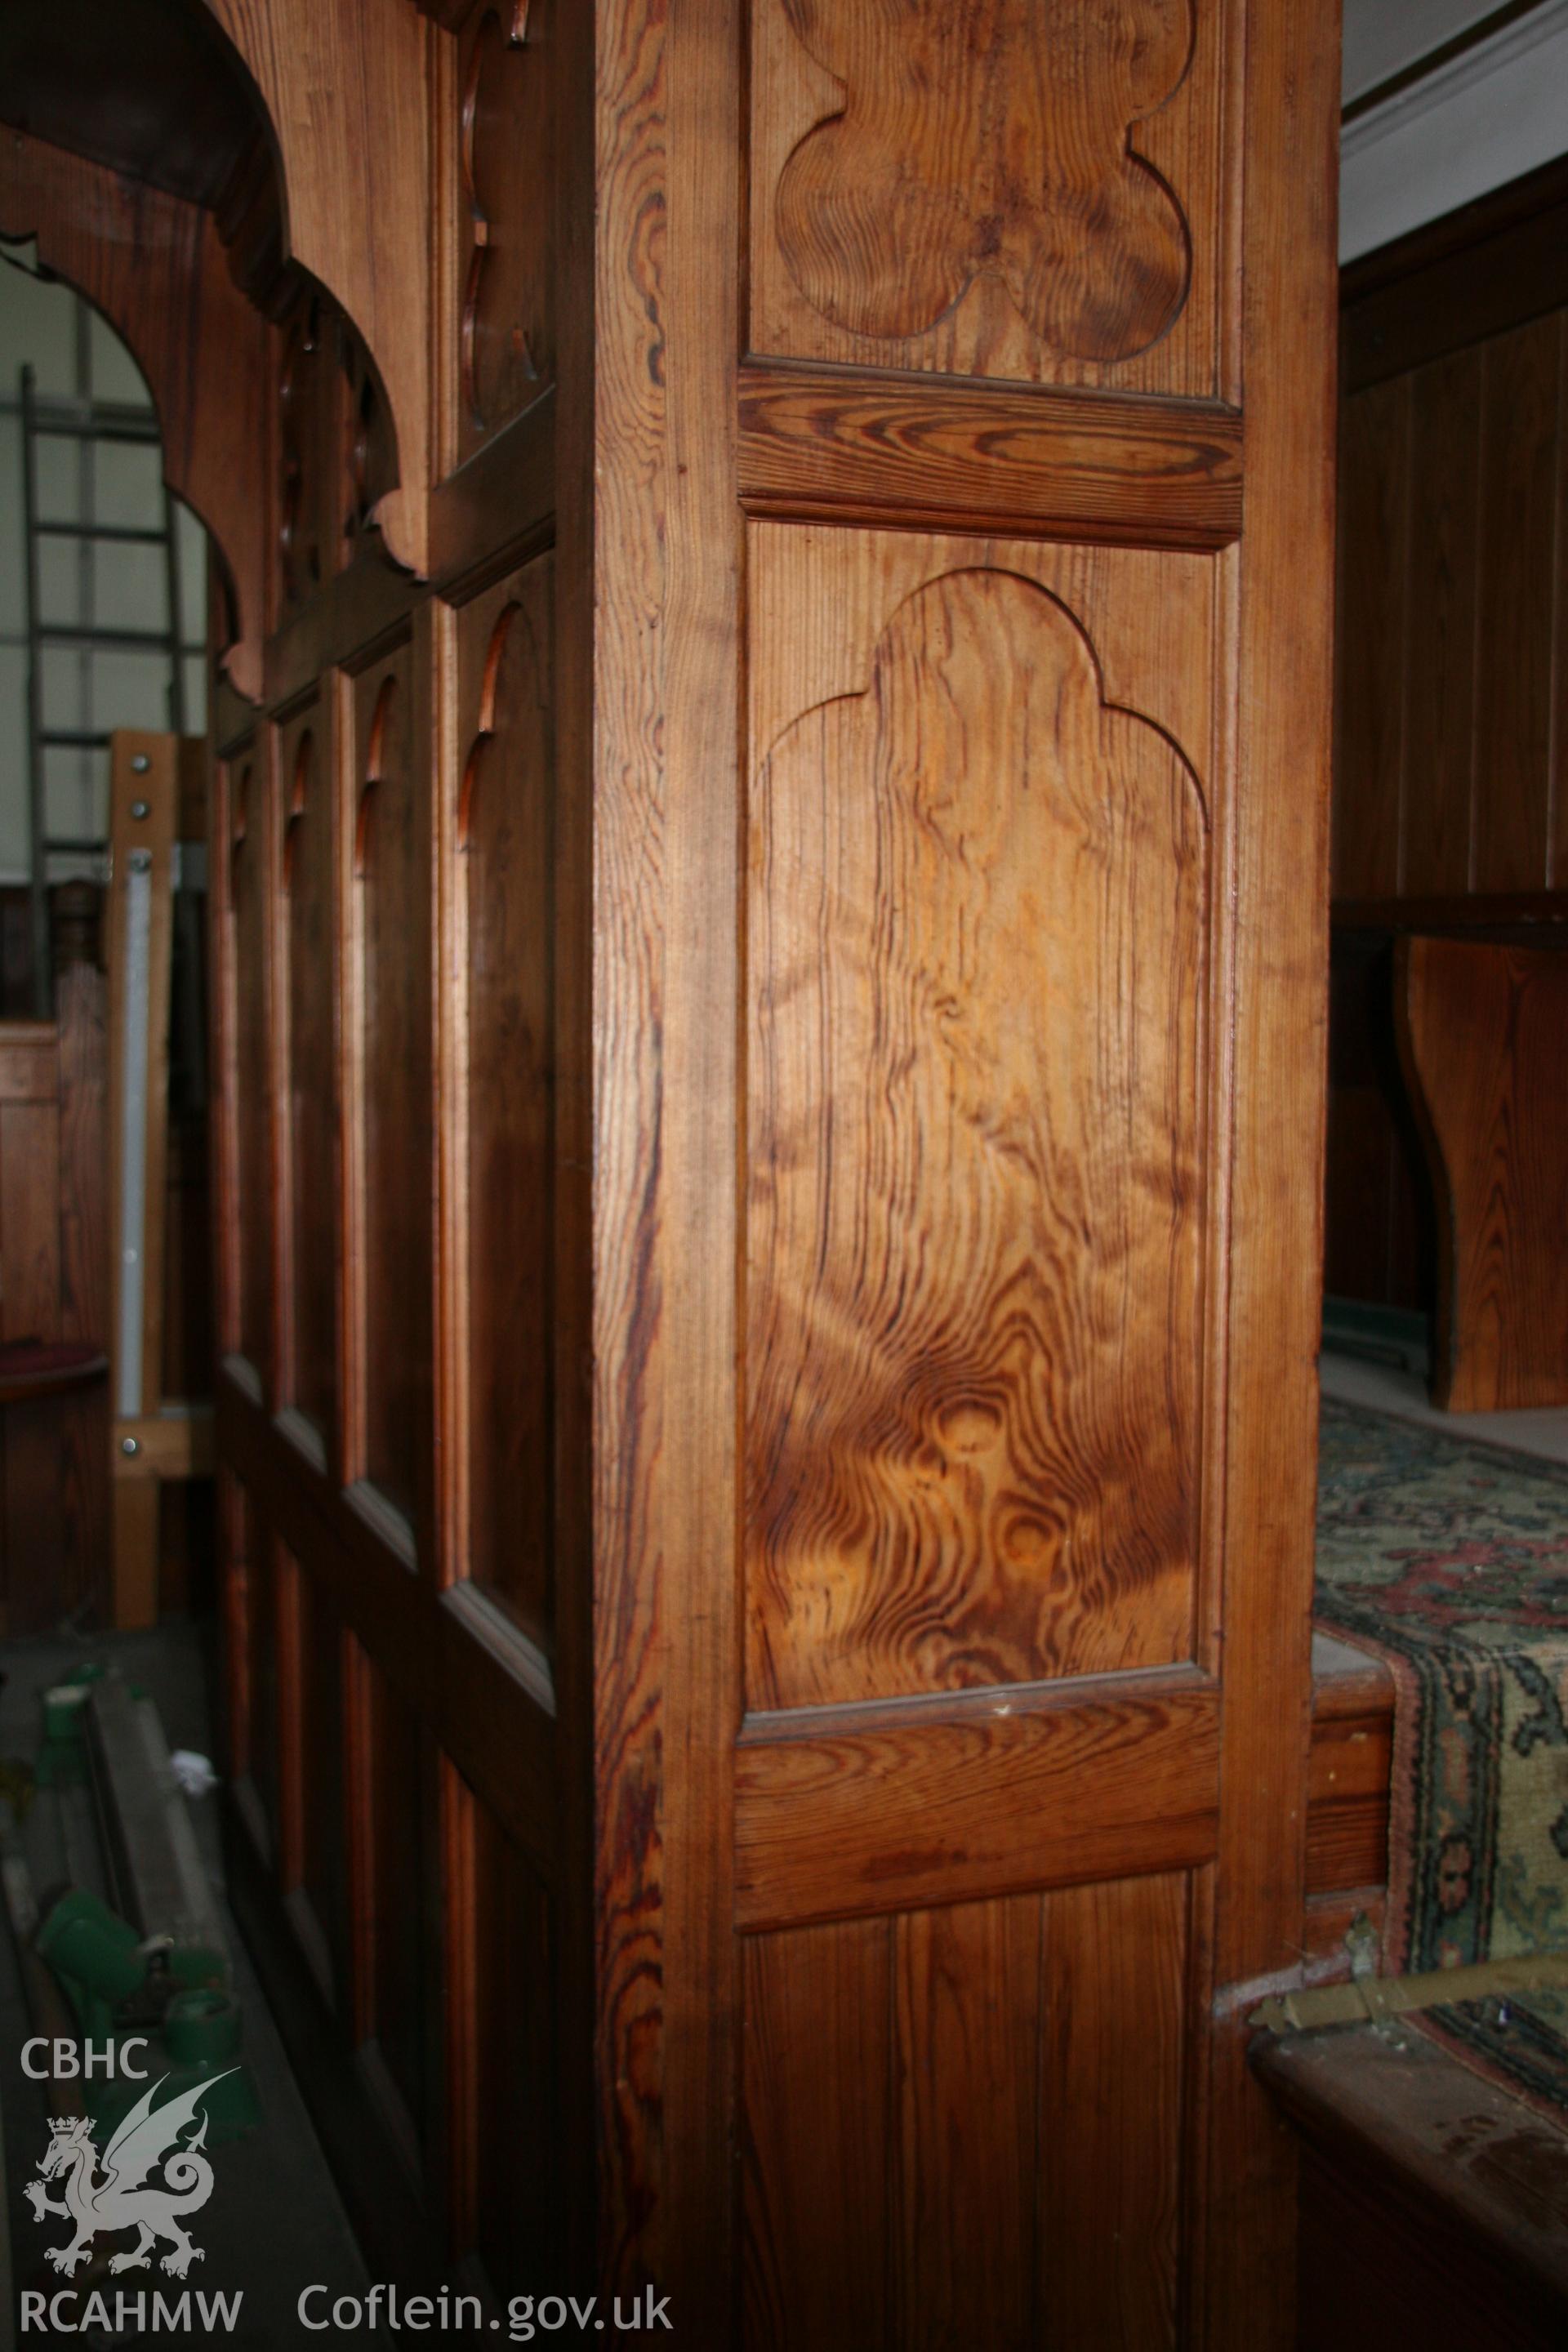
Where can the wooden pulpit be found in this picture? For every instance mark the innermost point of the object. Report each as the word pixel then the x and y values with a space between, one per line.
pixel 768 850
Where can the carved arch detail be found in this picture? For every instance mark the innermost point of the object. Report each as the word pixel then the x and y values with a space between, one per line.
pixel 344 87
pixel 889 210
pixel 155 268
pixel 977 943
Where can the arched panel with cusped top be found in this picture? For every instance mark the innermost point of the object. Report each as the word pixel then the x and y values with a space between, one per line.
pixel 154 264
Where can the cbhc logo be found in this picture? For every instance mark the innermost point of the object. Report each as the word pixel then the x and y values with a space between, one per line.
pixel 63 2059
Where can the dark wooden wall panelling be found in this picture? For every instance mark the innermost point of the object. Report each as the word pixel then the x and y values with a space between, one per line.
pixel 1452 666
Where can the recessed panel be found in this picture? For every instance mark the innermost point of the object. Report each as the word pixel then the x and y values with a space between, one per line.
pixel 391 930
pixel 324 1858
pixel 305 772
pixel 506 851
pixel 403 2059
pixel 976 938
pixel 517 2169
pixel 263 1651
pixel 248 897
pixel 964 2126
pixel 510 100
pixel 996 190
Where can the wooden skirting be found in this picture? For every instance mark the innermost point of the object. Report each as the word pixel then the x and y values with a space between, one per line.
pixel 1347 1798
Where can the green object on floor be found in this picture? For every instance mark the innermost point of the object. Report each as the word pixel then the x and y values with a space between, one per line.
pixel 97 1957
pixel 121 1992
pixel 199 2042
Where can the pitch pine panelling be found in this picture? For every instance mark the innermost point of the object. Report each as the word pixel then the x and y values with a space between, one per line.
pixel 990 2085
pixel 249 864
pixel 1482 1031
pixel 307 917
pixel 1451 668
pixel 392 1088
pixel 992 190
pixel 976 938
pixel 509 103
pixel 769 1030
pixel 505 843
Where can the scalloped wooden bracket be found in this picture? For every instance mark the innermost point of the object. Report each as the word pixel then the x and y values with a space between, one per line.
pixel 154 266
pixel 345 85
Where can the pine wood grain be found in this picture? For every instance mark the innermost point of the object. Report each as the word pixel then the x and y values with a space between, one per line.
pixel 883 232
pixel 309 877
pixel 154 264
pixel 505 833
pixel 967 2158
pixel 817 445
pixel 895 222
pixel 393 1093
pixel 969 2118
pixel 353 136
pixel 1113 2000
pixel 978 916
pixel 817 2140
pixel 1117 1067
pixel 508 112
pixel 1241 2293
pixel 882 1808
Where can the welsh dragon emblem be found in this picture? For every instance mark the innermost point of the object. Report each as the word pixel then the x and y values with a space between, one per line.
pixel 122 2198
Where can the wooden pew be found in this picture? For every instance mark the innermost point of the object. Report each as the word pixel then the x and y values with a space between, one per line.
pixel 53 1286
pixel 1483 1038
pixel 1434 2207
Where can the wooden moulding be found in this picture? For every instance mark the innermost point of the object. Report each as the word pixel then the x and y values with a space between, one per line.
pixel 487 1711
pixel 154 266
pixel 1347 1783
pixel 821 444
pixel 350 112
pixel 844 1810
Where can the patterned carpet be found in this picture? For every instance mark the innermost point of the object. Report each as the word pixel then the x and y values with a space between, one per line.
pixel 1450 1559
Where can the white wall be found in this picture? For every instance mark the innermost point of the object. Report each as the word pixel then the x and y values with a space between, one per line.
pixel 1383 37
pixel 1499 109
pixel 75 356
